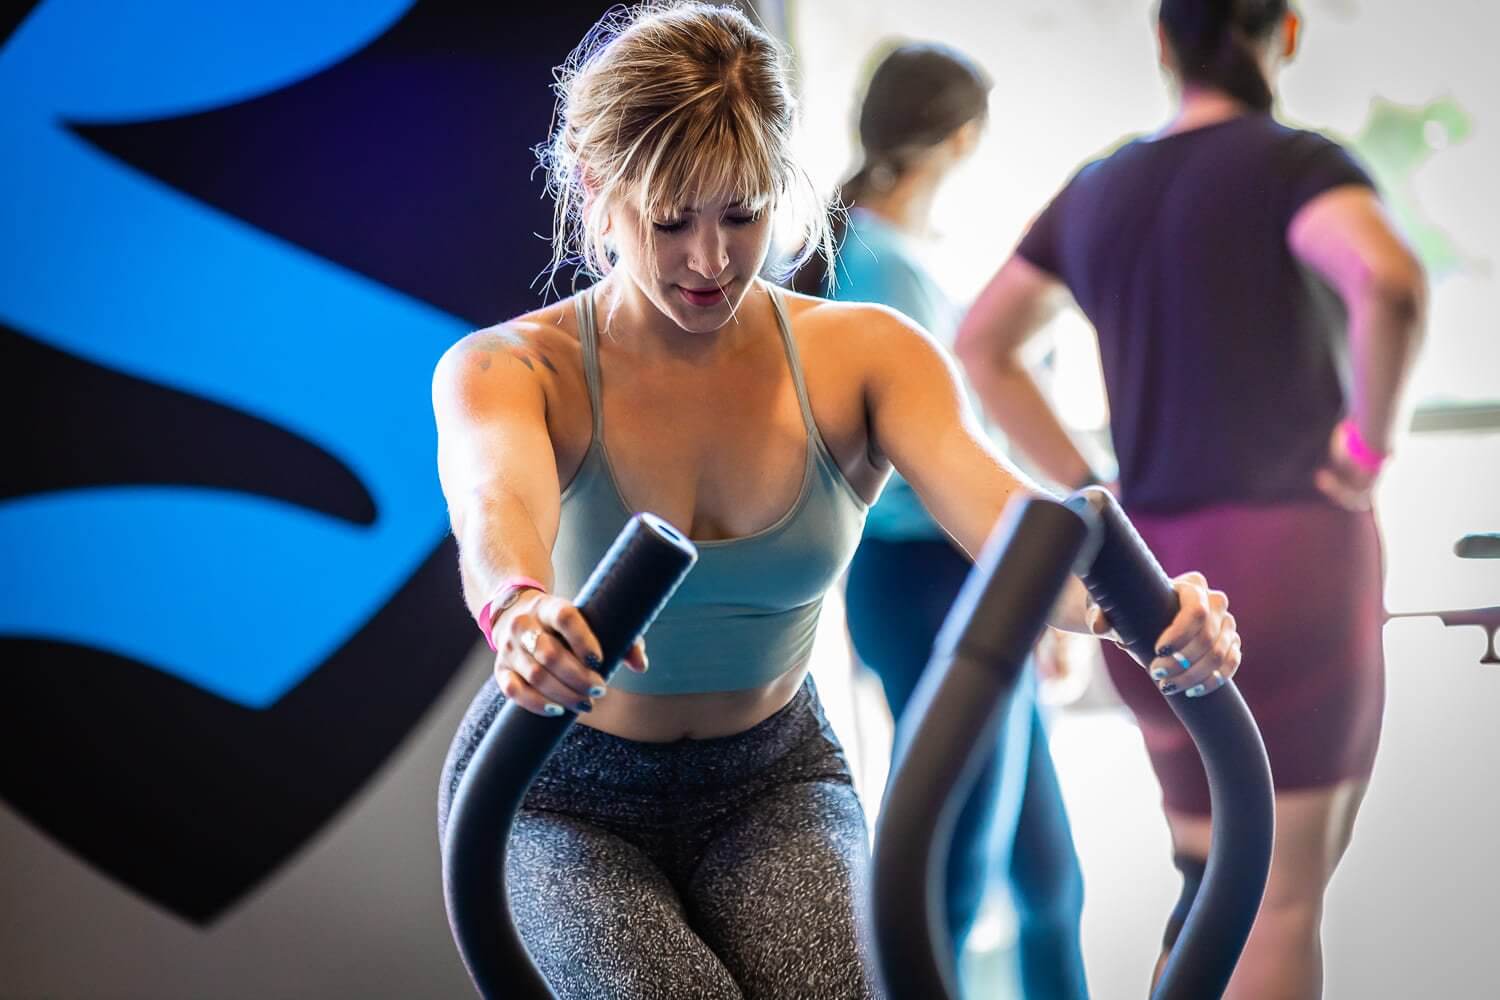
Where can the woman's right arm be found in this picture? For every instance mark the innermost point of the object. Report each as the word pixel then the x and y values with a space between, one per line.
pixel 499 475
pixel 1018 301
pixel 1345 237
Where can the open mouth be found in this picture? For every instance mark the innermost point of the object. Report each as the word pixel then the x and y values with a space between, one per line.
pixel 709 296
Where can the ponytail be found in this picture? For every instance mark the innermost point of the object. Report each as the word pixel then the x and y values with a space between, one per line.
pixel 1214 43
pixel 812 278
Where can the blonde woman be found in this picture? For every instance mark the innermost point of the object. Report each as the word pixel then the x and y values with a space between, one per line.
pixel 697 835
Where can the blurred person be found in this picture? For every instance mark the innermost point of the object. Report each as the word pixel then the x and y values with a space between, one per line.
pixel 922 115
pixel 1258 318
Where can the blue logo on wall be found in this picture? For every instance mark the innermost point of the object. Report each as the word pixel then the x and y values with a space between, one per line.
pixel 227 593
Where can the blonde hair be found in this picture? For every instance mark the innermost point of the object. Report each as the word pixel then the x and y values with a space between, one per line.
pixel 665 102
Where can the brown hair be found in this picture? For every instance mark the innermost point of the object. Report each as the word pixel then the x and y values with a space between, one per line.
pixel 663 102
pixel 919 94
pixel 1213 42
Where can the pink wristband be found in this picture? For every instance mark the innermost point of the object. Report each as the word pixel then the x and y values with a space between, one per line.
pixel 1364 456
pixel 503 598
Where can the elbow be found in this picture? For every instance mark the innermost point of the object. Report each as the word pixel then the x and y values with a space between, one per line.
pixel 967 348
pixel 1397 287
pixel 980 360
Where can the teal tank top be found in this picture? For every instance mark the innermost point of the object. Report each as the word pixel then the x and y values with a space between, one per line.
pixel 874 264
pixel 748 611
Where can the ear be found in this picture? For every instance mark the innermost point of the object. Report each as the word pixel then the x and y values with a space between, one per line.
pixel 966 138
pixel 1164 54
pixel 590 194
pixel 1291 30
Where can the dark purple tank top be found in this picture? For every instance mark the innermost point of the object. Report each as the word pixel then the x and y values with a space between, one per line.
pixel 1223 357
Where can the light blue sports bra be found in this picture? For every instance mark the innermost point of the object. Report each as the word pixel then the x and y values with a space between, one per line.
pixel 748 611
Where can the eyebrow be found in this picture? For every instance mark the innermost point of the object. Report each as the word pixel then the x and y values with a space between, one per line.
pixel 693 210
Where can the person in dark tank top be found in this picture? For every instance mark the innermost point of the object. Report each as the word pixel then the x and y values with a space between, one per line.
pixel 1257 319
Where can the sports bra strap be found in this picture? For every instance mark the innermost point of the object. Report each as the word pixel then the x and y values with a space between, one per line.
pixel 784 323
pixel 588 339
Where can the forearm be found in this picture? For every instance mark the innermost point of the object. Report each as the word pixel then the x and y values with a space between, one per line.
pixel 1385 332
pixel 1014 401
pixel 498 538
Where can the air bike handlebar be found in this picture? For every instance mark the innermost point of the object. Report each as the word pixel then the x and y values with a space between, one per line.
pixel 1134 593
pixel 977 660
pixel 960 702
pixel 621 598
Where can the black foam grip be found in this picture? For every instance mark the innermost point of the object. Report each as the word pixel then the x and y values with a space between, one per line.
pixel 1135 594
pixel 1124 578
pixel 620 599
pixel 948 730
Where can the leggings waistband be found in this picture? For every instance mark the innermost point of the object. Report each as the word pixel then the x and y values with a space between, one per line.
pixel 600 760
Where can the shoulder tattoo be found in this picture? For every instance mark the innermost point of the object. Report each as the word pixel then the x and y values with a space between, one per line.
pixel 491 346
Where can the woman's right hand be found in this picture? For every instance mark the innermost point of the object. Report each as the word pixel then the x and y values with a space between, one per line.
pixel 1342 479
pixel 547 658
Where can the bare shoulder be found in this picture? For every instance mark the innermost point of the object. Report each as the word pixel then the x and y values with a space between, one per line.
pixel 535 349
pixel 859 331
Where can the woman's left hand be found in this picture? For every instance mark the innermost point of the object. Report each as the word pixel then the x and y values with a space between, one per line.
pixel 1200 650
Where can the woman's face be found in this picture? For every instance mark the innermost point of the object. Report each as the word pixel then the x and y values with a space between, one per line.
pixel 706 256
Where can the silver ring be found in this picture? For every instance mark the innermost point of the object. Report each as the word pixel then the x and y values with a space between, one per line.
pixel 528 640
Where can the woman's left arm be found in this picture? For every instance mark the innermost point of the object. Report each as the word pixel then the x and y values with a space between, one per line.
pixel 921 421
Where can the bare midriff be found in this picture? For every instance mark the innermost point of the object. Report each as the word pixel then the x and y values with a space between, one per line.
pixel 653 718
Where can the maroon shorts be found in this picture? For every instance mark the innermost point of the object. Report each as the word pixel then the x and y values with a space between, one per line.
pixel 1305 585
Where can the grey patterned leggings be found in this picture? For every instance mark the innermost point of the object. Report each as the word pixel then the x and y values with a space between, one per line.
pixel 700 869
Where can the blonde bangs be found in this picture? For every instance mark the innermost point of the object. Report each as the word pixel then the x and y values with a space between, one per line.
pixel 664 106
pixel 709 152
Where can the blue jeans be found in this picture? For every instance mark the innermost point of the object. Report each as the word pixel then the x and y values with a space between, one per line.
pixel 1013 825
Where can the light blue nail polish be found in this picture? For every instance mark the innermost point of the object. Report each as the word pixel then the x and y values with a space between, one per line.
pixel 553 710
pixel 597 691
pixel 1161 673
pixel 1183 662
pixel 1197 690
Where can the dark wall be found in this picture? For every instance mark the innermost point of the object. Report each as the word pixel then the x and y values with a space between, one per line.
pixel 237 238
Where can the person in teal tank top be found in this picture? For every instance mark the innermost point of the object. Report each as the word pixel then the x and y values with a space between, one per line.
pixel 922 114
pixel 696 834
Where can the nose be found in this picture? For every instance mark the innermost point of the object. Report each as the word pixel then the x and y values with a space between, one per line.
pixel 709 255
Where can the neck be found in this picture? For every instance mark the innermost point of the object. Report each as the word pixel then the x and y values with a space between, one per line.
pixel 1201 106
pixel 907 206
pixel 628 317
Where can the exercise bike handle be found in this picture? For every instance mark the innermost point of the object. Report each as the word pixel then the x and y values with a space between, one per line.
pixel 620 599
pixel 948 728
pixel 1134 593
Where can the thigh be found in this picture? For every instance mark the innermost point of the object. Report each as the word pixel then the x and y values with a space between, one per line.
pixel 601 920
pixel 1313 829
pixel 776 891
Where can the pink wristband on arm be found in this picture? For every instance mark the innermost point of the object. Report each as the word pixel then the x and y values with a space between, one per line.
pixel 1364 456
pixel 504 597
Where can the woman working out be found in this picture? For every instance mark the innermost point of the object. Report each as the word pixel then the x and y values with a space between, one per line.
pixel 1201 255
pixel 922 115
pixel 697 835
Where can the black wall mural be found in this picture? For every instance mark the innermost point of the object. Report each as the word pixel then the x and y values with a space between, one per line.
pixel 238 241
